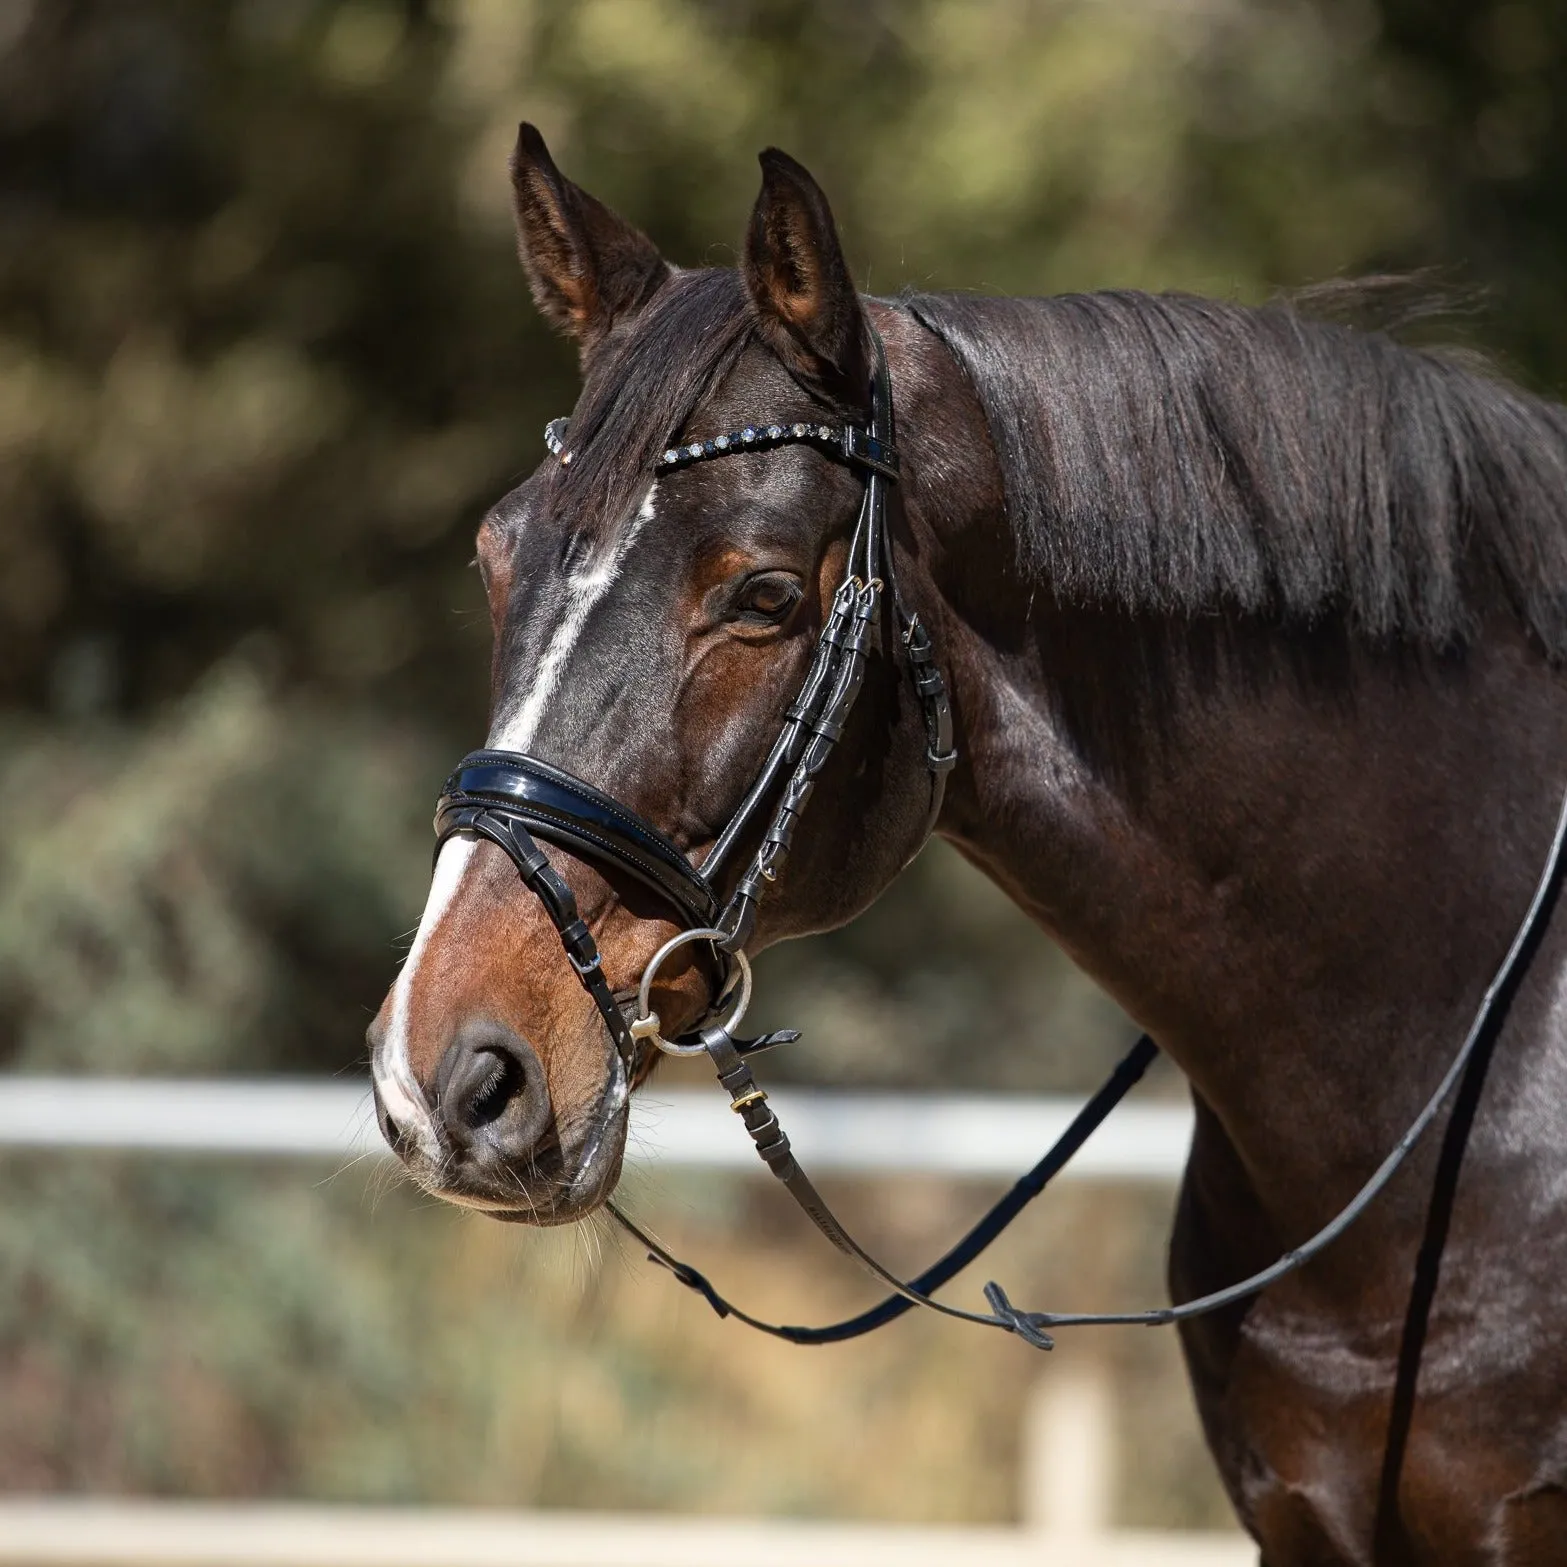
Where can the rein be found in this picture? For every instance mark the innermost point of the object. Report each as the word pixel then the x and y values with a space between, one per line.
pixel 512 800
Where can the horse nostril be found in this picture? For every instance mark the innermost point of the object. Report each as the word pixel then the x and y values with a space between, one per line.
pixel 490 1095
pixel 500 1084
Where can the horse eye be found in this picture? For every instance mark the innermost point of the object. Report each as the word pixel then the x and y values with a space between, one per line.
pixel 767 598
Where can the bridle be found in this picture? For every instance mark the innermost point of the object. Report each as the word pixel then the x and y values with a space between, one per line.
pixel 513 800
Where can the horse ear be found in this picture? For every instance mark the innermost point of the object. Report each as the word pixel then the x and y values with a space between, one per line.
pixel 587 266
pixel 807 307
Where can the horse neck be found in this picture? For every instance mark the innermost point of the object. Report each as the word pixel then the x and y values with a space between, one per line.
pixel 1292 858
pixel 1298 888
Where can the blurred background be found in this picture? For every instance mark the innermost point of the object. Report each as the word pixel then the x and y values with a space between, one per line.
pixel 265 358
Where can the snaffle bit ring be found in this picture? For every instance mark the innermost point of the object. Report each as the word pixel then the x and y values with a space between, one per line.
pixel 645 1024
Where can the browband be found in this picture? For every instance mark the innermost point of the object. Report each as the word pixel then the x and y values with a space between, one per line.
pixel 851 444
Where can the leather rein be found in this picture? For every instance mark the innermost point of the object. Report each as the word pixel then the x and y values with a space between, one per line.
pixel 513 800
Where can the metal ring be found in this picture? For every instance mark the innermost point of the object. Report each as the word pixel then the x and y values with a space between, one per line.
pixel 645 1024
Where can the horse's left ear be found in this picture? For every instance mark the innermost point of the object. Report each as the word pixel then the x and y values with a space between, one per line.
pixel 807 307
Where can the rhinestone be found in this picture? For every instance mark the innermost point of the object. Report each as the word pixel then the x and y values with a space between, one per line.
pixel 671 455
pixel 566 458
pixel 694 449
pixel 748 434
pixel 708 448
pixel 823 433
pixel 722 443
pixel 774 431
pixel 799 432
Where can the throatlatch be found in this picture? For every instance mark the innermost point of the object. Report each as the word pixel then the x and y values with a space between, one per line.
pixel 509 799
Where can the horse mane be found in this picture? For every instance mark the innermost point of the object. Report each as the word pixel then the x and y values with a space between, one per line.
pixel 1182 455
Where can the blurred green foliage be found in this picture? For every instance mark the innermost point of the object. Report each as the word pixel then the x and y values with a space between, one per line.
pixel 265 357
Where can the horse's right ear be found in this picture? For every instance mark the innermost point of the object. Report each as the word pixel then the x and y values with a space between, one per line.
pixel 587 266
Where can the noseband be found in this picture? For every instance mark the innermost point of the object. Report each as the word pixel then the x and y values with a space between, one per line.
pixel 513 800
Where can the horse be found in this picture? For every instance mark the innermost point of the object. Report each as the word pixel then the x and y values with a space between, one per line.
pixel 1253 625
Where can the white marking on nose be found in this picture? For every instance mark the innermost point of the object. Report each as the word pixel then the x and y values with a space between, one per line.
pixel 517 728
pixel 394 1073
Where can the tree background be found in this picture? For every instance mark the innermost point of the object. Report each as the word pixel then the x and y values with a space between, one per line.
pixel 265 358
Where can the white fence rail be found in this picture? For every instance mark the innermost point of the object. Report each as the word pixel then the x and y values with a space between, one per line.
pixel 1068 1463
pixel 972 1135
pixel 50 1533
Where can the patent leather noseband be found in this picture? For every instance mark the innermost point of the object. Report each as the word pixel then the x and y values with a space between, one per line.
pixel 512 800
pixel 563 810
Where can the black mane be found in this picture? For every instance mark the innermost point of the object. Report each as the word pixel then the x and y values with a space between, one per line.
pixel 1183 455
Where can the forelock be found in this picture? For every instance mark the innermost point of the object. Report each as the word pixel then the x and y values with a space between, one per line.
pixel 643 387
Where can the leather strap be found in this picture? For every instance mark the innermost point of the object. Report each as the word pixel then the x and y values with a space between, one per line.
pixel 505 829
pixel 917 1290
pixel 565 810
pixel 791 739
pixel 1032 1326
pixel 818 718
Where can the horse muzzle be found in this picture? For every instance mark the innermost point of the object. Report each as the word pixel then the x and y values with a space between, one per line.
pixel 491 1137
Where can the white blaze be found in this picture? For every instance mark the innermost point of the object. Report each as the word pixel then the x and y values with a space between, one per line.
pixel 394 1073
pixel 515 731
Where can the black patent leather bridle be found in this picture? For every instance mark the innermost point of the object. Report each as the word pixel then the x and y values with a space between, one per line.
pixel 513 800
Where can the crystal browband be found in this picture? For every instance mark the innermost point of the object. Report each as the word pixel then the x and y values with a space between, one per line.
pixel 848 443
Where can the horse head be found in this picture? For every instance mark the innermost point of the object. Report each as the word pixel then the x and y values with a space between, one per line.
pixel 654 618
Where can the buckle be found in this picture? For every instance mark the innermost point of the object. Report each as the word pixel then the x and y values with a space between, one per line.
pixel 584 969
pixel 861 449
